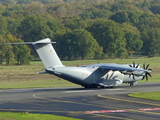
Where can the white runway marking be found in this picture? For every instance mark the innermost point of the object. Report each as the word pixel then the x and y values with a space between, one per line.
pixel 78 91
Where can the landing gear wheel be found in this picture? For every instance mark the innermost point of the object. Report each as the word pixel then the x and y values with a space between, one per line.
pixel 87 86
pixel 132 84
pixel 102 87
pixel 90 86
pixel 111 87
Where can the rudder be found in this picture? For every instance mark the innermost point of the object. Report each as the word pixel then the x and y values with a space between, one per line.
pixel 47 53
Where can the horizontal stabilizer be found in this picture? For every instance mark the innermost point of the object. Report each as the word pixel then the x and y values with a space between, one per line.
pixel 19 43
pixel 41 72
pixel 46 52
pixel 33 43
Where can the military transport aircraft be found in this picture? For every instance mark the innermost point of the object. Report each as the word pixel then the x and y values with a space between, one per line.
pixel 89 76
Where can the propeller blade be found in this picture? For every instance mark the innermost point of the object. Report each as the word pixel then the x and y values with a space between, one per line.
pixel 137 65
pixel 107 77
pixel 133 77
pixel 143 77
pixel 111 75
pixel 150 69
pixel 146 77
pixel 114 77
pixel 133 64
pixel 149 74
pixel 147 67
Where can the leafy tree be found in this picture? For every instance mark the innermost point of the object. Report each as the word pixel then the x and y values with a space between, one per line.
pixel 110 36
pixel 155 23
pixel 103 6
pixel 99 53
pixel 35 8
pixel 3 49
pixel 21 52
pixel 3 24
pixel 86 15
pixel 145 18
pixel 34 28
pixel 76 23
pixel 155 2
pixel 14 11
pixel 9 56
pixel 84 42
pixel 24 1
pixel 145 4
pixel 32 20
pixel 13 26
pixel 151 41
pixel 127 16
pixel 65 44
pixel 132 35
pixel 54 25
pixel 155 9
pixel 118 7
pixel 77 43
pixel 94 13
pixel 6 53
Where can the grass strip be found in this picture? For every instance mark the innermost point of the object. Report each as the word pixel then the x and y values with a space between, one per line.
pixel 25 76
pixel 36 84
pixel 28 116
pixel 146 95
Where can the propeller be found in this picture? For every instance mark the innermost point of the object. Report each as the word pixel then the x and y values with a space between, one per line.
pixel 133 66
pixel 109 77
pixel 147 72
pixel 145 67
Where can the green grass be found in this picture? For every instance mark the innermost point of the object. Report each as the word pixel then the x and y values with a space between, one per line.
pixel 27 116
pixel 147 95
pixel 25 76
pixel 36 84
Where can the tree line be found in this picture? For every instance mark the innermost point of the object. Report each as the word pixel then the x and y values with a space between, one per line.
pixel 81 28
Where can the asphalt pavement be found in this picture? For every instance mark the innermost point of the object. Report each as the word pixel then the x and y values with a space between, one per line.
pixel 87 104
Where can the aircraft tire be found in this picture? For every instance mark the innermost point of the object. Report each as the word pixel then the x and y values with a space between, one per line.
pixel 90 86
pixel 111 87
pixel 132 84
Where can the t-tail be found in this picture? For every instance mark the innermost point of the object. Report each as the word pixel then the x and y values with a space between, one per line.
pixel 46 52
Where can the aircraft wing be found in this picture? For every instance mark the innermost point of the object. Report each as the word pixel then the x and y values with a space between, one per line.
pixel 122 68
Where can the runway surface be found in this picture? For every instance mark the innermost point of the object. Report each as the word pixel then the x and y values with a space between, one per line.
pixel 87 104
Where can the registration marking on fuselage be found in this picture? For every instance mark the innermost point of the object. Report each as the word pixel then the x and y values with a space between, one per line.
pixel 79 91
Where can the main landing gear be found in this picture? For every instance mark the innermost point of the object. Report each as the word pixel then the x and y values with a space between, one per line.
pixel 132 84
pixel 91 86
pixel 95 86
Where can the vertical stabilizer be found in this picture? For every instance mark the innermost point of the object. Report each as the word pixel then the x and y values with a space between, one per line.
pixel 47 53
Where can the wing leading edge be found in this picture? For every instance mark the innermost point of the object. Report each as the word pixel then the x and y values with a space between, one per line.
pixel 125 69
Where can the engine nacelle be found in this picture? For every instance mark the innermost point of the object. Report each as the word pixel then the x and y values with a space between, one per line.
pixel 136 73
pixel 111 82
